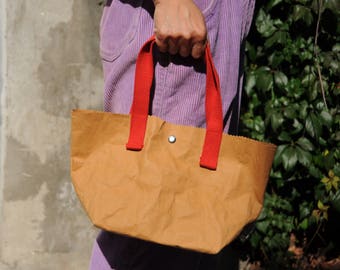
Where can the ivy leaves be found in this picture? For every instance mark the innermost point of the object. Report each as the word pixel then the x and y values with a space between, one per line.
pixel 293 57
pixel 290 154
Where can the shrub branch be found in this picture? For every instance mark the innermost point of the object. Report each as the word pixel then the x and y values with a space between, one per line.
pixel 317 54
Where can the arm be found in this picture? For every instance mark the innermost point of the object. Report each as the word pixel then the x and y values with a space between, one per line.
pixel 179 27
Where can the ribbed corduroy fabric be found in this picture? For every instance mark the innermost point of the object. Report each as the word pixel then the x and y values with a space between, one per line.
pixel 178 97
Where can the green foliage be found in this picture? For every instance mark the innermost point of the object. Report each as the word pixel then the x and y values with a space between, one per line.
pixel 292 93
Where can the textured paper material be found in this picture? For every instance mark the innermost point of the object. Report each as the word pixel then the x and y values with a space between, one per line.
pixel 160 193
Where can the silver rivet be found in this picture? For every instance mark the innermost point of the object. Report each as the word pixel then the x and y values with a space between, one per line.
pixel 172 139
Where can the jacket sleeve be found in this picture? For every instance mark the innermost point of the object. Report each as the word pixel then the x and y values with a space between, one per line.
pixel 248 12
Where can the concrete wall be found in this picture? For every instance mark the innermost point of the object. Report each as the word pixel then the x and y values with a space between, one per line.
pixel 49 51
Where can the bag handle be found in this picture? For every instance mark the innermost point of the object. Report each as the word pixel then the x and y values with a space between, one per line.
pixel 141 99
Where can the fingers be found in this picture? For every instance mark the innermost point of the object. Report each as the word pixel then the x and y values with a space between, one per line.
pixel 182 46
pixel 198 49
pixel 173 46
pixel 162 43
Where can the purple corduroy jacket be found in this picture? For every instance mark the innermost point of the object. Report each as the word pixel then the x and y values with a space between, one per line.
pixel 178 97
pixel 179 90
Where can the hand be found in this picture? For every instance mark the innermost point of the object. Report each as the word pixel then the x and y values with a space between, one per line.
pixel 179 27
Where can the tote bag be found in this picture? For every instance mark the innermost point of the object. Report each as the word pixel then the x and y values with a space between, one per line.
pixel 175 185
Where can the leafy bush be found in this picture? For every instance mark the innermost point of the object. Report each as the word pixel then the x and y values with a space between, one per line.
pixel 292 94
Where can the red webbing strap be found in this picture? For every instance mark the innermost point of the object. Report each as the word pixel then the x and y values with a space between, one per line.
pixel 141 97
pixel 214 118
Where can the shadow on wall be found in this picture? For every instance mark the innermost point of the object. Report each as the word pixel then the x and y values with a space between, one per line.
pixel 39 202
pixel 73 46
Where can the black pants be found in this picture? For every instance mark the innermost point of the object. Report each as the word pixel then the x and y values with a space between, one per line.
pixel 124 253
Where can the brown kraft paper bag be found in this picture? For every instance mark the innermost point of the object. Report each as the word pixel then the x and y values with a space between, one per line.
pixel 175 185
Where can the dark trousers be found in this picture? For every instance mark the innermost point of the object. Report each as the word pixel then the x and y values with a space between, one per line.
pixel 124 253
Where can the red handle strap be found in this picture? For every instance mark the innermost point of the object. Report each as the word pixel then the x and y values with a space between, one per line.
pixel 141 100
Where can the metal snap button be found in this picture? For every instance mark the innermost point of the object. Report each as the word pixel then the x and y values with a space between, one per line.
pixel 172 139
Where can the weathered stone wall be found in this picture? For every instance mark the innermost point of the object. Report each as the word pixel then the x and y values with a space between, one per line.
pixel 50 65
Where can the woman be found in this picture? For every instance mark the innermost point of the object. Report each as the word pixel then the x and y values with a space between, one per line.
pixel 182 28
